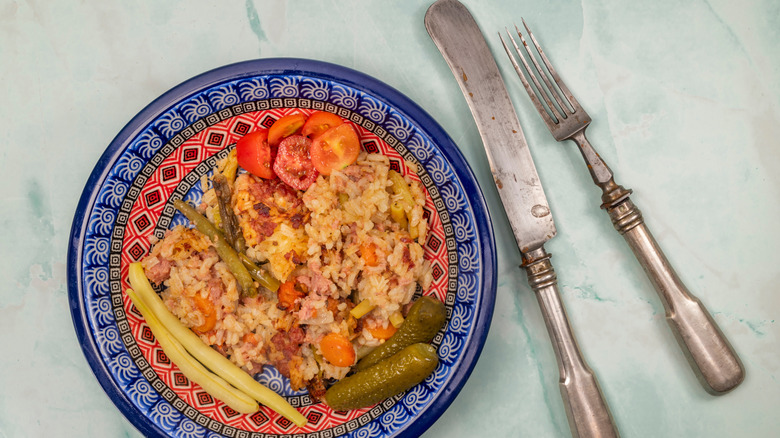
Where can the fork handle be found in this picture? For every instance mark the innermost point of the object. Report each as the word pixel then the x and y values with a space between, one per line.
pixel 717 366
pixel 586 408
pixel 709 353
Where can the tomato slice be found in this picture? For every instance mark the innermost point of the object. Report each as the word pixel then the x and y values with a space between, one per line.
pixel 335 149
pixel 293 164
pixel 319 122
pixel 255 155
pixel 285 127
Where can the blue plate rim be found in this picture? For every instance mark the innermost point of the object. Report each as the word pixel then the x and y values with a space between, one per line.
pixel 286 66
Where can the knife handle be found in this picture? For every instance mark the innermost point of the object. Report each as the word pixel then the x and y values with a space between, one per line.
pixel 586 409
pixel 712 358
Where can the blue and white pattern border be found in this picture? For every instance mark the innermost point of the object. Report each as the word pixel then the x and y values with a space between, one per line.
pixel 98 293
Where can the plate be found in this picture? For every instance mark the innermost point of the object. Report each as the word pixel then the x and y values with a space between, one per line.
pixel 169 146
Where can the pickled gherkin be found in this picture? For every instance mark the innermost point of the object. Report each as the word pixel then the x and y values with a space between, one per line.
pixel 389 377
pixel 426 317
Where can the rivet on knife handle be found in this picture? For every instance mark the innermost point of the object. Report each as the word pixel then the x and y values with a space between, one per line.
pixel 463 46
pixel 711 356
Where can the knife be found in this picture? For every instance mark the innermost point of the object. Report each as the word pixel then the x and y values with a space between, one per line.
pixel 463 46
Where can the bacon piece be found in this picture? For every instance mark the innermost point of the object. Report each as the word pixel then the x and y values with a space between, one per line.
pixel 160 271
pixel 262 209
pixel 284 347
pixel 296 220
pixel 316 388
pixel 264 229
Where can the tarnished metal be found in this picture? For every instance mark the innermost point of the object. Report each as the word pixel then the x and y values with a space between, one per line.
pixel 711 356
pixel 510 160
pixel 463 46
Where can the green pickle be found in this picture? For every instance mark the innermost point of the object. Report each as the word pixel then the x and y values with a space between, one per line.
pixel 426 317
pixel 392 376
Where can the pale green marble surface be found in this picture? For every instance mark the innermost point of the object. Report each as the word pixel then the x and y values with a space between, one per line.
pixel 685 98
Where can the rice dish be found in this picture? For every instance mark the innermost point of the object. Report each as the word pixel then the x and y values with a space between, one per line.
pixel 336 242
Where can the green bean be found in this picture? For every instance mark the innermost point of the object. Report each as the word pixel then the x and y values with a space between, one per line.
pixel 398 214
pixel 231 166
pixel 361 309
pixel 206 355
pixel 265 278
pixel 191 368
pixel 226 252
pixel 229 220
pixel 401 210
pixel 400 187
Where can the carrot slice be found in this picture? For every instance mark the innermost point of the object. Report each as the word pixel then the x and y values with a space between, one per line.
pixel 337 350
pixel 383 333
pixel 287 295
pixel 206 307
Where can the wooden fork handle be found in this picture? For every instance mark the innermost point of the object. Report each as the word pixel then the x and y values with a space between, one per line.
pixel 712 358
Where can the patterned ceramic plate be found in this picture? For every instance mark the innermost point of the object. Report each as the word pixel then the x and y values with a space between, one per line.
pixel 177 139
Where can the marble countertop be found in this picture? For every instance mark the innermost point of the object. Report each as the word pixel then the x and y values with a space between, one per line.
pixel 685 99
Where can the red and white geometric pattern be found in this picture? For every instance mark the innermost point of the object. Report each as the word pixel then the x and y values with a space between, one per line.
pixel 146 213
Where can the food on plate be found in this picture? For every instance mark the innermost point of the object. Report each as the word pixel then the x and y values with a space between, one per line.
pixel 262 276
pixel 144 297
pixel 319 122
pixel 332 243
pixel 254 154
pixel 293 163
pixel 391 376
pixel 190 367
pixel 226 253
pixel 285 127
pixel 335 149
pixel 426 317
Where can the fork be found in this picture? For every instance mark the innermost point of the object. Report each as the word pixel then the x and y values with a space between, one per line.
pixel 713 360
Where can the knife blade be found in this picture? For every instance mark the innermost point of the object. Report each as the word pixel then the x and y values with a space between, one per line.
pixel 460 41
pixel 477 74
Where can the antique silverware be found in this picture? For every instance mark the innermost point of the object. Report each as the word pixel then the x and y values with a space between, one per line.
pixel 463 46
pixel 712 358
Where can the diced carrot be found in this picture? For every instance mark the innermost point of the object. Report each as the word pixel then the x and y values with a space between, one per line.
pixel 368 253
pixel 206 307
pixel 288 294
pixel 249 338
pixel 380 332
pixel 337 350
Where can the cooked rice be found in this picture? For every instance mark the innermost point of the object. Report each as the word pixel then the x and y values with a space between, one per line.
pixel 317 239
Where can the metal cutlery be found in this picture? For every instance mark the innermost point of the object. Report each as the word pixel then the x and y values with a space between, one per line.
pixel 712 358
pixel 463 46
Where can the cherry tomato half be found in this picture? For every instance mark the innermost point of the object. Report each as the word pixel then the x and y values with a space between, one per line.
pixel 319 122
pixel 255 155
pixel 293 163
pixel 335 149
pixel 285 127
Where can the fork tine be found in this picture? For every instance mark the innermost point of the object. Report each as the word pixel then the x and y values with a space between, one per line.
pixel 552 90
pixel 534 98
pixel 564 89
pixel 540 89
